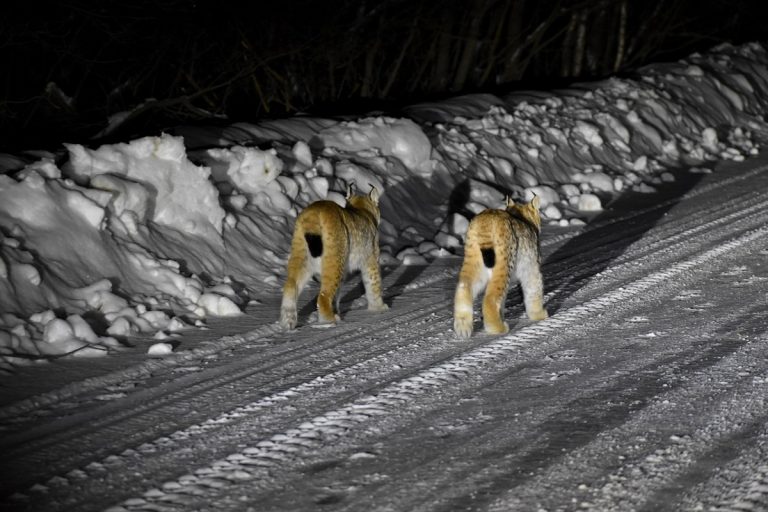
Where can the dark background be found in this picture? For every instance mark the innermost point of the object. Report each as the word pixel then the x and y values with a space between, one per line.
pixel 67 66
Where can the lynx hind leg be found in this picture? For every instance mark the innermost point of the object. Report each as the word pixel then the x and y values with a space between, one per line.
pixel 372 283
pixel 531 282
pixel 332 267
pixel 493 301
pixel 298 274
pixel 472 278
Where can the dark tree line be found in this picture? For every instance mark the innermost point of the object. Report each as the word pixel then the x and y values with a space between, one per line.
pixel 69 65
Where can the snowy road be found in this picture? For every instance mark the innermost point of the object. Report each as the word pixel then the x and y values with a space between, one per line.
pixel 645 390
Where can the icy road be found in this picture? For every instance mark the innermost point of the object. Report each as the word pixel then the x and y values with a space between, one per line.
pixel 645 390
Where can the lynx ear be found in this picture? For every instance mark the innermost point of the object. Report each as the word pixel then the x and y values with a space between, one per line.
pixel 350 189
pixel 374 194
pixel 508 201
pixel 535 202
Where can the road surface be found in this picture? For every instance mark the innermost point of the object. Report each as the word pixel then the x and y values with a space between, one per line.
pixel 645 390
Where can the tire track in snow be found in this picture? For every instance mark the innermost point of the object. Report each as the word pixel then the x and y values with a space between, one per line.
pixel 359 367
pixel 684 432
pixel 753 495
pixel 287 448
pixel 664 242
pixel 145 419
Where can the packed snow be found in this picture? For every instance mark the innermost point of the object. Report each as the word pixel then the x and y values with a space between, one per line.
pixel 155 235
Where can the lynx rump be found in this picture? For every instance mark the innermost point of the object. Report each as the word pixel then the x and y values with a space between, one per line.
pixel 500 244
pixel 329 241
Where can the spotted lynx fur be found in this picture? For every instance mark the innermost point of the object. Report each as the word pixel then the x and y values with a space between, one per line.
pixel 329 241
pixel 500 245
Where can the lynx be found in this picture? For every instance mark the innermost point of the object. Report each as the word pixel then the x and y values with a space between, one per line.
pixel 500 244
pixel 328 241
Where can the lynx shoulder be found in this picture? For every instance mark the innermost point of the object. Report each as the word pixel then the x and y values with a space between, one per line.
pixel 328 241
pixel 500 245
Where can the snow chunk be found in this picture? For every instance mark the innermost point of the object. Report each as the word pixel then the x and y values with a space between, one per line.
pixel 552 212
pixel 45 167
pixel 569 190
pixel 248 169
pixel 709 140
pixel 589 203
pixel 589 132
pixel 58 330
pixel 160 349
pixel 183 196
pixel 165 276
pixel 86 207
pixel 447 240
pixel 409 256
pixel 131 201
pixel 302 153
pixel 457 224
pixel 597 180
pixel 400 138
pixel 218 305
pixel 26 272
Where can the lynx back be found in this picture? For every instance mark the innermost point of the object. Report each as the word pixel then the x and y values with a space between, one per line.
pixel 500 245
pixel 328 241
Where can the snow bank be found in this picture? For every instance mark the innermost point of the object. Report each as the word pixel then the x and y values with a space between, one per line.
pixel 159 233
pixel 168 189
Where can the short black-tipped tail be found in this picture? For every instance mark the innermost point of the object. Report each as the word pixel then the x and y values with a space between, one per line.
pixel 489 257
pixel 315 244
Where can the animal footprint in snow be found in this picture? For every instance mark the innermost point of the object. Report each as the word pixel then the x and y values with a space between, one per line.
pixel 750 281
pixel 652 334
pixel 697 308
pixel 688 294
pixel 560 355
pixel 362 456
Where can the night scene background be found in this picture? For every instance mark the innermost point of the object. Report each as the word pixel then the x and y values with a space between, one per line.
pixel 155 155
pixel 68 65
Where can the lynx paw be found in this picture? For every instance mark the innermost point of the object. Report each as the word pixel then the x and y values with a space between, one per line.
pixel 288 318
pixel 323 322
pixel 378 307
pixel 462 326
pixel 538 315
pixel 497 328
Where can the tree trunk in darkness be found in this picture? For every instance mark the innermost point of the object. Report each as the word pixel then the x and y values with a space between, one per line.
pixel 511 69
pixel 622 36
pixel 440 77
pixel 394 72
pixel 581 34
pixel 366 90
pixel 566 57
pixel 494 56
pixel 471 43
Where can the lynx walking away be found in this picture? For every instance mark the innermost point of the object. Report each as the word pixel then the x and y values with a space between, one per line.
pixel 500 243
pixel 328 241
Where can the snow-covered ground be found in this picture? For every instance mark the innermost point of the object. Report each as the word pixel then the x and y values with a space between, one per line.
pixel 159 234
pixel 644 390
